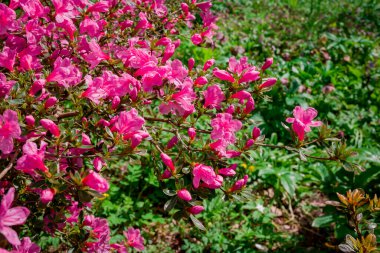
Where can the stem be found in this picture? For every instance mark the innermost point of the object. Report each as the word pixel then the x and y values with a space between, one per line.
pixel 10 165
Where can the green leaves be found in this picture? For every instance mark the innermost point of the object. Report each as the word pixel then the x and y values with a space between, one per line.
pixel 323 221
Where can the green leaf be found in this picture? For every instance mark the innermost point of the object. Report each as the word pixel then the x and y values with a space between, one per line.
pixel 170 204
pixel 169 192
pixel 197 223
pixel 288 182
pixel 323 221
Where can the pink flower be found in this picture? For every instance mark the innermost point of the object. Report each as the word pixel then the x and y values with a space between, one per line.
pixel 5 86
pixel 33 158
pixel 169 51
pixel 223 75
pixel 64 73
pixel 26 246
pixel 196 39
pixel 101 6
pixel 303 120
pixel 8 17
pixel 11 217
pixel 250 76
pixel 172 142
pixel 95 54
pixel 9 130
pixel 181 102
pixel 184 194
pixel 195 209
pixel 228 172
pixel 239 184
pixel 256 132
pixel 128 124
pixel 96 181
pixel 245 96
pixel 134 239
pixel 191 63
pixel 29 119
pixel 213 97
pixel 224 127
pixel 47 195
pixel 51 127
pixel 7 58
pixel 268 83
pixel 207 175
pixel 200 81
pixel 267 64
pixel 167 161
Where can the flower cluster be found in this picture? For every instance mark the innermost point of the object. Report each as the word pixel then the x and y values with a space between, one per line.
pixel 82 82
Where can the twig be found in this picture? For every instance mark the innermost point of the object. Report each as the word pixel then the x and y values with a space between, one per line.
pixel 10 165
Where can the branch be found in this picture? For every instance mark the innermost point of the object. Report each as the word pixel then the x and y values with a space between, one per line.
pixel 10 165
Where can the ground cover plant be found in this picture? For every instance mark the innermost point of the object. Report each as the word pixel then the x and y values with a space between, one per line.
pixel 189 126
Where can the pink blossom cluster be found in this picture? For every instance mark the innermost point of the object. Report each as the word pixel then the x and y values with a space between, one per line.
pixel 83 81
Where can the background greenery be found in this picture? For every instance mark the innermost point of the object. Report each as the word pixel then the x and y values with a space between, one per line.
pixel 314 44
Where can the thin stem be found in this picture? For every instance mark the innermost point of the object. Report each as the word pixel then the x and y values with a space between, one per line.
pixel 10 165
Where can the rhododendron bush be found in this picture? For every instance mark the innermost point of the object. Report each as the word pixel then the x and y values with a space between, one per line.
pixel 85 83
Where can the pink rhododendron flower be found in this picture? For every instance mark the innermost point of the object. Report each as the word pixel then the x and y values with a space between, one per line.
pixel 245 96
pixel 196 209
pixel 134 239
pixel 9 130
pixel 11 217
pixel 208 64
pixel 5 86
pixel 33 158
pixel 7 18
pixel 101 6
pixel 228 172
pixel 303 120
pixel 96 181
pixel 95 54
pixel 200 81
pixel 250 76
pixel 64 73
pixel 267 64
pixel 224 127
pixel 184 194
pixel 7 58
pixel 100 234
pixel 50 102
pixel 207 175
pixel 213 97
pixel 51 127
pixel 26 246
pixel 223 75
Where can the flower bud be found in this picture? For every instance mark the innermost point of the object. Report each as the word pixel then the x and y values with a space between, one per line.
pixel 167 161
pixel 184 194
pixel 190 64
pixel 200 81
pixel 196 39
pixel 208 64
pixel 267 64
pixel 167 174
pixel 256 132
pixel 223 75
pixel 98 163
pixel 50 102
pixel 185 8
pixel 192 133
pixel 195 209
pixel 230 109
pixel 30 120
pixel 50 126
pixel 239 184
pixel 172 142
pixel 115 102
pixel 249 144
pixel 268 83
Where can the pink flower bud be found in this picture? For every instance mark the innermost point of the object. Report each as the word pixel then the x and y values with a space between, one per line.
pixel 185 8
pixel 115 102
pixel 195 209
pixel 50 102
pixel 200 81
pixel 208 64
pixel 249 76
pixel 239 184
pixel 192 133
pixel 30 120
pixel 191 63
pixel 167 174
pixel 98 163
pixel 172 142
pixel 256 132
pixel 167 161
pixel 268 83
pixel 184 194
pixel 96 181
pixel 47 195
pixel 177 43
pixel 267 64
pixel 249 144
pixel 228 172
pixel 196 39
pixel 169 51
pixel 163 41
